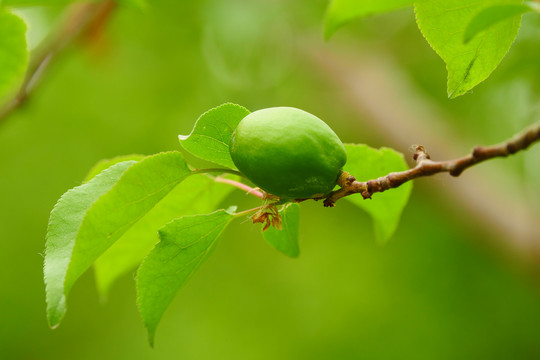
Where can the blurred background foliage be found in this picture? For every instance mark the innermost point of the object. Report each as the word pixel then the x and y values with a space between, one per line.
pixel 456 281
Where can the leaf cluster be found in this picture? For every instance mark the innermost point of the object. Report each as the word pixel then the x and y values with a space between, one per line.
pixel 161 215
pixel 472 37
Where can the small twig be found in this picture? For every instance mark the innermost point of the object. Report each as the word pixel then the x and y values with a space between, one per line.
pixel 241 186
pixel 426 167
pixel 82 17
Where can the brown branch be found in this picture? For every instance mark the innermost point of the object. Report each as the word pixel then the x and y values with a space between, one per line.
pixel 374 88
pixel 427 167
pixel 81 18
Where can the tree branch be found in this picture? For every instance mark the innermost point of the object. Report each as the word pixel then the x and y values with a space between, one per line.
pixel 427 167
pixel 82 17
pixel 374 88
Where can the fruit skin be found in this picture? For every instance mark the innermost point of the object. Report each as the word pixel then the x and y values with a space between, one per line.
pixel 288 152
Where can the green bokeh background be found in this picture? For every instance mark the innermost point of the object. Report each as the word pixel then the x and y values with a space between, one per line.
pixel 440 289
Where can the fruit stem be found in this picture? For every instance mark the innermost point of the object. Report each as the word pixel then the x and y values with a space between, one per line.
pixel 240 186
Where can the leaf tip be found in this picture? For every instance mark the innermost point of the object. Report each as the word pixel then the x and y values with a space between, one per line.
pixel 151 336
pixel 294 254
pixel 55 311
pixel 382 234
pixel 53 320
pixel 454 94
pixel 103 291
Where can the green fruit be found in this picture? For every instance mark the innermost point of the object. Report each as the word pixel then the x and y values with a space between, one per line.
pixel 288 152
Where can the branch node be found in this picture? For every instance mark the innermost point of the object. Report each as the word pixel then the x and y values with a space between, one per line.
pixel 478 152
pixel 329 202
pixel 344 179
pixel 366 194
pixel 420 154
pixel 511 148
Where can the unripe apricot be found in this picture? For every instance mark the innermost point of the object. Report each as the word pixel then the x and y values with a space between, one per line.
pixel 288 152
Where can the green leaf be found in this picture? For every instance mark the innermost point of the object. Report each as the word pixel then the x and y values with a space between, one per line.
pixel 139 189
pixel 443 24
pixel 494 15
pixel 286 239
pixel 198 194
pixel 13 52
pixel 340 12
pixel 64 223
pixel 107 163
pixel 184 245
pixel 212 133
pixel 385 208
